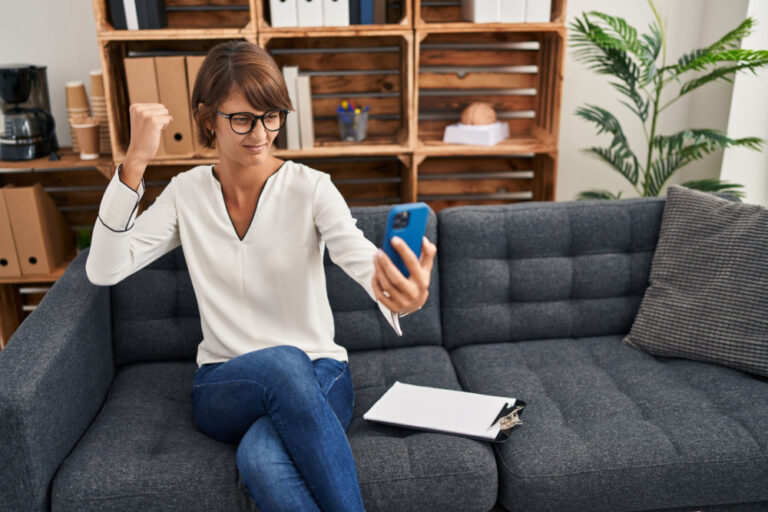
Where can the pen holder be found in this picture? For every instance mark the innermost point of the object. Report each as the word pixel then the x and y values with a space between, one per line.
pixel 352 127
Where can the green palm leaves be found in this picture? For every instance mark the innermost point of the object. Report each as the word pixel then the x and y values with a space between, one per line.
pixel 610 46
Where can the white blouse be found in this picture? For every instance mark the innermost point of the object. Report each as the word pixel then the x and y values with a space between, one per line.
pixel 263 290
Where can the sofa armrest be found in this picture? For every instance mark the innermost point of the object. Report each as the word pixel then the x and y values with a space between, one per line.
pixel 54 376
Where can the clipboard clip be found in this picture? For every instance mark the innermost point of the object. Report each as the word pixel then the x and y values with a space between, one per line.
pixel 509 417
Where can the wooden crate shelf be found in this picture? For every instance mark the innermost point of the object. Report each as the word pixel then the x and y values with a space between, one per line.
pixel 417 72
pixel 373 70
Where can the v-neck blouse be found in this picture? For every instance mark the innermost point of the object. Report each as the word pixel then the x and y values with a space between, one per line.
pixel 263 290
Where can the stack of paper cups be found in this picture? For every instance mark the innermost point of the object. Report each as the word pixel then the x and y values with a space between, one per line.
pixel 77 105
pixel 87 135
pixel 99 106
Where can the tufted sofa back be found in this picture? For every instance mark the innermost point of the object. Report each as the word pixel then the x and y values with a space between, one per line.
pixel 156 317
pixel 544 270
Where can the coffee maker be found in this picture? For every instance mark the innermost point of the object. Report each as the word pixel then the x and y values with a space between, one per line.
pixel 30 130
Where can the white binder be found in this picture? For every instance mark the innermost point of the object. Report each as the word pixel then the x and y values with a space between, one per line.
pixel 481 11
pixel 284 13
pixel 292 137
pixel 537 11
pixel 485 417
pixel 304 108
pixel 512 11
pixel 336 12
pixel 310 12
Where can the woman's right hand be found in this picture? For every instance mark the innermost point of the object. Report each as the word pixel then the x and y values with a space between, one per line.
pixel 147 122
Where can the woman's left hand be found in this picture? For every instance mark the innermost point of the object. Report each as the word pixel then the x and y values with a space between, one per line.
pixel 398 293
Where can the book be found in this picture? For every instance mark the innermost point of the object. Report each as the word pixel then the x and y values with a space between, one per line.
pixel 138 14
pixel 284 13
pixel 336 13
pixel 304 109
pixel 366 12
pixel 310 13
pixel 484 417
pixel 379 12
pixel 292 135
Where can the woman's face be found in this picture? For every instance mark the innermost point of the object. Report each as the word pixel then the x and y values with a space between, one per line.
pixel 248 150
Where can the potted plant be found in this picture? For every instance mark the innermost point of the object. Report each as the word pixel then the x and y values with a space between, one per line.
pixel 610 46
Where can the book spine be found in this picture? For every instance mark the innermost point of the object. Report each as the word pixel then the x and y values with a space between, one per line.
pixel 117 14
pixel 366 12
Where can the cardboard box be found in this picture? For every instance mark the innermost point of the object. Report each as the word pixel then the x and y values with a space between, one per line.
pixel 9 261
pixel 43 237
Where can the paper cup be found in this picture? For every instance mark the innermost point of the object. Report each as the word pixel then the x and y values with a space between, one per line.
pixel 87 133
pixel 97 83
pixel 76 95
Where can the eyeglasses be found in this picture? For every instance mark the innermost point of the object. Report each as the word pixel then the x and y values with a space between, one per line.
pixel 243 122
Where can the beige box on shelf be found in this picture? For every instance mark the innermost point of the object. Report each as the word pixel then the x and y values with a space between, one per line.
pixel 141 80
pixel 43 237
pixel 172 86
pixel 9 260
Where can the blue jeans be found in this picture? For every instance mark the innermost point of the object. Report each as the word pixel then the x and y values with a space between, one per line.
pixel 288 415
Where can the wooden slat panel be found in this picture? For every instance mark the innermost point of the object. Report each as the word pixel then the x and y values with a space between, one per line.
pixel 480 37
pixel 500 103
pixel 339 61
pixel 440 13
pixel 338 84
pixel 329 128
pixel 477 81
pixel 481 186
pixel 188 3
pixel 442 204
pixel 327 106
pixel 447 166
pixel 208 19
pixel 456 57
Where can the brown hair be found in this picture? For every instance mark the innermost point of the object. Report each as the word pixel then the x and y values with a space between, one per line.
pixel 236 64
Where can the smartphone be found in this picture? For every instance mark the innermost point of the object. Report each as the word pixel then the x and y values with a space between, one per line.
pixel 409 222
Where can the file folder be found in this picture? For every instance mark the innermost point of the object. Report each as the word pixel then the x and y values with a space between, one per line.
pixel 310 13
pixel 537 11
pixel 292 136
pixel 483 417
pixel 336 12
pixel 9 260
pixel 172 86
pixel 141 79
pixel 512 11
pixel 284 13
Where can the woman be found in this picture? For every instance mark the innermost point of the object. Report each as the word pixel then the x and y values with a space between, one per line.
pixel 270 377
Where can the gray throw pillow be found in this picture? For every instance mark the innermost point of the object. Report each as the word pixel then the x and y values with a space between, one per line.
pixel 708 293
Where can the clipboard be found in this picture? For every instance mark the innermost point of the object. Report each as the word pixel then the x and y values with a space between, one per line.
pixel 447 411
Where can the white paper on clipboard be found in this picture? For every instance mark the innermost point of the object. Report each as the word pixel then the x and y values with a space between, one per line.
pixel 446 410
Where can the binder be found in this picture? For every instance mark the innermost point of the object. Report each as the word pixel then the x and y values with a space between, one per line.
pixel 537 11
pixel 284 13
pixel 354 12
pixel 172 88
pixel 141 80
pixel 310 12
pixel 379 12
pixel 484 417
pixel 194 62
pixel 304 109
pixel 292 136
pixel 366 12
pixel 512 11
pixel 9 260
pixel 336 12
pixel 138 14
pixel 480 11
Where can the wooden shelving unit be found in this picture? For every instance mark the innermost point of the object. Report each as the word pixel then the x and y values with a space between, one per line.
pixel 417 72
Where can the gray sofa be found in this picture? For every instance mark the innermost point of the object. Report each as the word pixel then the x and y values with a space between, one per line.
pixel 528 300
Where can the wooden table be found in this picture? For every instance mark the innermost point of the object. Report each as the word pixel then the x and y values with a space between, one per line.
pixel 11 312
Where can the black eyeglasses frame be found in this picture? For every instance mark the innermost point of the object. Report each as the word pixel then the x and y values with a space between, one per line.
pixel 255 118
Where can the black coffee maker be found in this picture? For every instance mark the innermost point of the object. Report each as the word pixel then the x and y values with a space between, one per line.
pixel 30 130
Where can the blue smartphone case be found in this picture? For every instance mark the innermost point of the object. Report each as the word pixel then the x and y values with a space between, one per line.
pixel 412 233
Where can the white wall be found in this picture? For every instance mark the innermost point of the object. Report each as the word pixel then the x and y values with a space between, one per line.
pixel 59 34
pixel 749 118
pixel 691 24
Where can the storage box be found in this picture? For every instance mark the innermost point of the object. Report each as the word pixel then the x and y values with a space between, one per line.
pixel 482 135
pixel 43 237
pixel 9 261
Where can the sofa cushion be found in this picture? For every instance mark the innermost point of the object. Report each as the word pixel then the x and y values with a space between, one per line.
pixel 143 451
pixel 707 298
pixel 609 427
pixel 544 270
